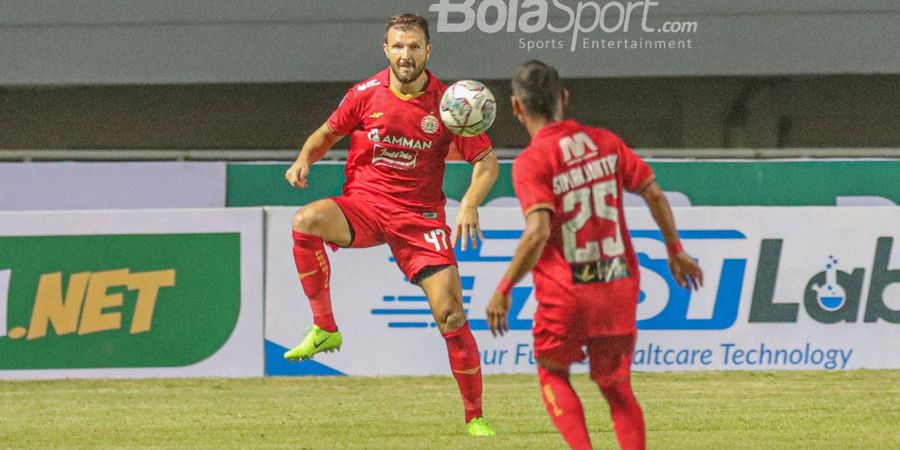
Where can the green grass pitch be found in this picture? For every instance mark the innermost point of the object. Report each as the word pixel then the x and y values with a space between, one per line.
pixel 749 410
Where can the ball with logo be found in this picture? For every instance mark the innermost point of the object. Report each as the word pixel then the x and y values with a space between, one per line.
pixel 468 108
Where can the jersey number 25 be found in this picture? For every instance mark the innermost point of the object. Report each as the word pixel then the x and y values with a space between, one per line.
pixel 612 246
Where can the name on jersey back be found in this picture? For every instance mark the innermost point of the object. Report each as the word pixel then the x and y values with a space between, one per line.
pixel 583 174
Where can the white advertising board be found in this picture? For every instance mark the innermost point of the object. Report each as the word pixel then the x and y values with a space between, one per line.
pixel 111 185
pixel 805 288
pixel 116 294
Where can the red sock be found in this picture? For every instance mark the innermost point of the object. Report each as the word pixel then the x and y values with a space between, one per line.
pixel 315 274
pixel 628 420
pixel 564 408
pixel 466 365
pixel 611 370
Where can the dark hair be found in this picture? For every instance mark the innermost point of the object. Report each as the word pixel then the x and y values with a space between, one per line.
pixel 537 86
pixel 404 22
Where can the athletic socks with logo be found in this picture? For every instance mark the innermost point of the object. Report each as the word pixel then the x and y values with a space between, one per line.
pixel 466 366
pixel 567 413
pixel 314 271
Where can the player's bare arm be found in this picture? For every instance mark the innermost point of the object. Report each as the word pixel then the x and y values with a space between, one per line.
pixel 685 270
pixel 534 237
pixel 314 149
pixel 484 174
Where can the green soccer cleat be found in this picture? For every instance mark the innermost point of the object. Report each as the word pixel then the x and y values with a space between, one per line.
pixel 315 341
pixel 479 427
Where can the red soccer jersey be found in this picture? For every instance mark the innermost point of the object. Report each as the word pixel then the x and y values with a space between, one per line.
pixel 578 173
pixel 398 144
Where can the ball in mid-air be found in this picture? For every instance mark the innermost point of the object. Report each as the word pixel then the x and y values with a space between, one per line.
pixel 468 108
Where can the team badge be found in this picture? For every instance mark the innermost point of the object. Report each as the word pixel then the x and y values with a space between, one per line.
pixel 430 124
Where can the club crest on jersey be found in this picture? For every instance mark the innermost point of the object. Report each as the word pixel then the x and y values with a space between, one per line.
pixel 430 124
pixel 373 135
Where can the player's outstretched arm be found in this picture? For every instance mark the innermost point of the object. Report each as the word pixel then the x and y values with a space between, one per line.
pixel 315 147
pixel 484 174
pixel 534 237
pixel 685 270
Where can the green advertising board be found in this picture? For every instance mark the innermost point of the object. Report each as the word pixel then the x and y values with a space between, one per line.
pixel 264 184
pixel 117 300
pixel 704 183
pixel 780 183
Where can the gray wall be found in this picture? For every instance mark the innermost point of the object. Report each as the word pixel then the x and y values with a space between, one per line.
pixel 190 41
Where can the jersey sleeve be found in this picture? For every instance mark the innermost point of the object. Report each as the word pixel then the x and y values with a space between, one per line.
pixel 473 148
pixel 347 115
pixel 636 174
pixel 532 181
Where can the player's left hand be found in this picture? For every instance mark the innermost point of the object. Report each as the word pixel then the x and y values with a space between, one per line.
pixel 686 271
pixel 467 227
pixel 497 311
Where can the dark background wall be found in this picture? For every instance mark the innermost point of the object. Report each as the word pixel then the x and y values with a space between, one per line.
pixel 691 112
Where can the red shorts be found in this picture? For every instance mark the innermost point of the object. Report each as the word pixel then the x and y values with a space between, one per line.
pixel 562 328
pixel 417 239
pixel 610 356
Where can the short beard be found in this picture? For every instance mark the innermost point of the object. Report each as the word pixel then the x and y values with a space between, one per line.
pixel 417 72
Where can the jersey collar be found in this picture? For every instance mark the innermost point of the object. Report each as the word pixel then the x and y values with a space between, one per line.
pixel 385 78
pixel 547 129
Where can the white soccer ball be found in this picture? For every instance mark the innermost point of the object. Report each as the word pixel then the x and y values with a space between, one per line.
pixel 468 108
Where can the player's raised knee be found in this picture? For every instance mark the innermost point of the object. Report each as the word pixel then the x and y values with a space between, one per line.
pixel 307 220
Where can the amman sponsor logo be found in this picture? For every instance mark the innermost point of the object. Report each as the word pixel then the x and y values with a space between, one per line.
pixel 403 141
pixel 402 158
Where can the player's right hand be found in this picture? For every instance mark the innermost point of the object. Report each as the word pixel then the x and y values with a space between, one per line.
pixel 497 311
pixel 686 271
pixel 297 173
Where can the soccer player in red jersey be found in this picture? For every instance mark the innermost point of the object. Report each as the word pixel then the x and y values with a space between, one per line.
pixel 569 182
pixel 393 194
